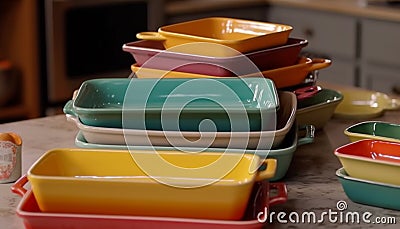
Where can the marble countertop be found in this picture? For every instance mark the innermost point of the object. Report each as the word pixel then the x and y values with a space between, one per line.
pixel 357 8
pixel 311 181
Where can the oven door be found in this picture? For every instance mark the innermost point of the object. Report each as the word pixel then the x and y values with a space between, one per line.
pixel 84 40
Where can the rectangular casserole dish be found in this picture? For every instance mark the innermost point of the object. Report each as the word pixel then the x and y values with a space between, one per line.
pixel 33 218
pixel 318 109
pixel 152 54
pixel 177 104
pixel 220 36
pixel 242 140
pixel 369 192
pixel 147 182
pixel 372 160
pixel 377 130
pixel 282 153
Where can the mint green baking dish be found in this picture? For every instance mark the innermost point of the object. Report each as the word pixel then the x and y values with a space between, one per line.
pixel 177 104
pixel 370 192
pixel 283 153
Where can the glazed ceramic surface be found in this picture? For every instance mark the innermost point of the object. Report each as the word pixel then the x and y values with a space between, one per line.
pixel 372 160
pixel 364 104
pixel 376 130
pixel 152 54
pixel 318 109
pixel 293 75
pixel 177 104
pixel 242 140
pixel 260 199
pixel 369 192
pixel 282 77
pixel 197 185
pixel 238 34
pixel 282 153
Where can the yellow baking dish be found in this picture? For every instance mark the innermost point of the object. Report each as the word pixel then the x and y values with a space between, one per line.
pixel 147 183
pixel 220 36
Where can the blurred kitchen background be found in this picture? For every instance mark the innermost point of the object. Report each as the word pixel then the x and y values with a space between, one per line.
pixel 49 47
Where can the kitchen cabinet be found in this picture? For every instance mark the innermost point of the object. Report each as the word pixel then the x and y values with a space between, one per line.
pixel 247 11
pixel 380 55
pixel 18 43
pixel 330 35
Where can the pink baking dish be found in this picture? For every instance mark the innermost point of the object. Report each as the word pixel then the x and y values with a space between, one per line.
pixel 260 200
pixel 151 54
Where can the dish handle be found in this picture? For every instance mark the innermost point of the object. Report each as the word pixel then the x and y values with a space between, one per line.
pixel 153 36
pixel 18 186
pixel 270 169
pixel 394 104
pixel 309 136
pixel 281 196
pixel 319 63
pixel 69 108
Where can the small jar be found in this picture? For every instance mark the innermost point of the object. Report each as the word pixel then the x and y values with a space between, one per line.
pixel 10 157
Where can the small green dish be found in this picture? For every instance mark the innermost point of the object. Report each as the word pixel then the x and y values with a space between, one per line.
pixel 317 110
pixel 177 104
pixel 369 192
pixel 377 130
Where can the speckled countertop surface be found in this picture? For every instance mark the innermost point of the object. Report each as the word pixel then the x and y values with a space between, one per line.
pixel 357 8
pixel 311 181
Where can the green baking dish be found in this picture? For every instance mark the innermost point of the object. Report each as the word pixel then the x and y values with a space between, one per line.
pixel 377 130
pixel 369 192
pixel 283 153
pixel 177 104
pixel 317 110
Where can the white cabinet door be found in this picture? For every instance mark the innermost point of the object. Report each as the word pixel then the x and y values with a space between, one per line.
pixel 380 42
pixel 327 33
pixel 381 78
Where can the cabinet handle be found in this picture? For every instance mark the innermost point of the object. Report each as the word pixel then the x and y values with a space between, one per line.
pixel 308 33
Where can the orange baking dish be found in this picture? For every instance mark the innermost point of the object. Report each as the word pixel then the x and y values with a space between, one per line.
pixel 220 36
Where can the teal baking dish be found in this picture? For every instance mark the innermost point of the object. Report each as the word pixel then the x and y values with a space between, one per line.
pixel 282 153
pixel 222 104
pixel 317 110
pixel 369 192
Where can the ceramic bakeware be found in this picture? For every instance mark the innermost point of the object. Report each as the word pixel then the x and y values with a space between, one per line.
pixel 372 160
pixel 219 35
pixel 295 74
pixel 364 104
pixel 377 130
pixel 229 104
pixel 283 153
pixel 147 182
pixel 260 199
pixel 369 192
pixel 151 54
pixel 242 140
pixel 318 109
pixel 282 77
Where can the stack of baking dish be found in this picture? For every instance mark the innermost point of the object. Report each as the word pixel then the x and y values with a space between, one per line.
pixel 192 147
pixel 371 164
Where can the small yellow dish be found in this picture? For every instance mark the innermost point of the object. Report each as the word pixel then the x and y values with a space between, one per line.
pixel 217 36
pixel 147 183
pixel 364 104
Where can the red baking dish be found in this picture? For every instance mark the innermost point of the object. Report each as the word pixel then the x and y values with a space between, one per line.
pixel 151 54
pixel 260 198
